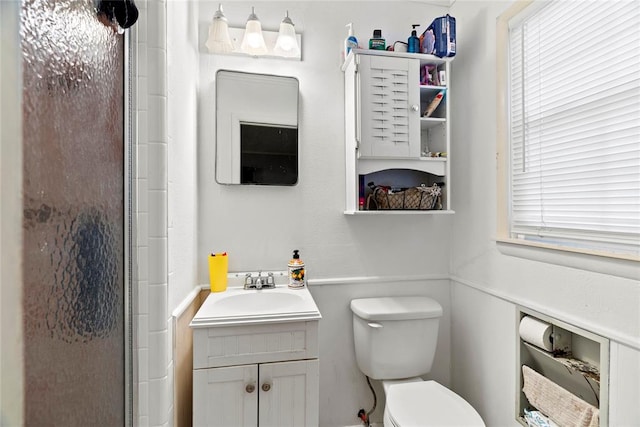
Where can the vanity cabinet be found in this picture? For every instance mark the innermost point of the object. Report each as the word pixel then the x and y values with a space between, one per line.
pixel 390 127
pixel 256 375
pixel 268 394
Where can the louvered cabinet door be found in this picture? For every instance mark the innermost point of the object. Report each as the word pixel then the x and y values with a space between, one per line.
pixel 389 107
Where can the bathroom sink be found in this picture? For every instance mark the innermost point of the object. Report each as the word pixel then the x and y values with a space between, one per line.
pixel 240 306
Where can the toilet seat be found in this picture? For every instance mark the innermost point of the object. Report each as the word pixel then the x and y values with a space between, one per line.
pixel 428 403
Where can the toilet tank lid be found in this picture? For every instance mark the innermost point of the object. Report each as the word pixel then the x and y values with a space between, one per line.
pixel 396 308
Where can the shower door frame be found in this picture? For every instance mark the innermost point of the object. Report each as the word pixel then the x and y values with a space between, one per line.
pixel 130 244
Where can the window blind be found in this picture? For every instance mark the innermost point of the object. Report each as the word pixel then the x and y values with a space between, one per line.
pixel 574 72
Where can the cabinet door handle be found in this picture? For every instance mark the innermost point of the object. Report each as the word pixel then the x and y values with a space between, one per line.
pixel 250 388
pixel 266 387
pixel 415 108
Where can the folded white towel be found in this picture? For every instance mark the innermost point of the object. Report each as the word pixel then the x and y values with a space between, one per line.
pixel 560 405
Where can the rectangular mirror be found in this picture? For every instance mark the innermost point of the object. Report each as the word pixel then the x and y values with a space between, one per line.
pixel 256 129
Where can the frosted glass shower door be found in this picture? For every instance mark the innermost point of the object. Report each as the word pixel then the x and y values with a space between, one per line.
pixel 73 216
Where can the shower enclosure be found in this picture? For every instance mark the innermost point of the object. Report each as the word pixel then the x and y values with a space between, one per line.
pixel 76 222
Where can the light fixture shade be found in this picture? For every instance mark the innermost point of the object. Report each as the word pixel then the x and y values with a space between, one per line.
pixel 219 40
pixel 253 41
pixel 287 43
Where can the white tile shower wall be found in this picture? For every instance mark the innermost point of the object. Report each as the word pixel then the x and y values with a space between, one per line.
pixel 152 347
pixel 141 346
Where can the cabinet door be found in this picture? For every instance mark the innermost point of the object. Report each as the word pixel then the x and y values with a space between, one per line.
pixel 389 106
pixel 224 397
pixel 289 394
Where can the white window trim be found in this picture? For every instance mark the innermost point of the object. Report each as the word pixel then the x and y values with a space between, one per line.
pixel 586 259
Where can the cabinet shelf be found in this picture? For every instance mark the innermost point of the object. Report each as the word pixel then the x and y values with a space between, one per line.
pixel 432 88
pixel 429 122
pixel 432 165
pixel 423 57
pixel 400 212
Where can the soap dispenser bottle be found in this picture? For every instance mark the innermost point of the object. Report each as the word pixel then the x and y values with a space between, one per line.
pixel 414 41
pixel 351 42
pixel 296 271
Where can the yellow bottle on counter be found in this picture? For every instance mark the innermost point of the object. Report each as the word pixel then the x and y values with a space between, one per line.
pixel 296 271
pixel 218 267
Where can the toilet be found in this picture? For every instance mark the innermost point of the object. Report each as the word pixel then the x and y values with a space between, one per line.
pixel 395 342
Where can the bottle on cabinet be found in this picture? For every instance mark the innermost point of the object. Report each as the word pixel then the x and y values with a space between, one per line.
pixel 351 42
pixel 296 271
pixel 413 44
pixel 377 42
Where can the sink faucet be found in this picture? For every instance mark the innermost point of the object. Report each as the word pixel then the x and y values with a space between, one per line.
pixel 260 282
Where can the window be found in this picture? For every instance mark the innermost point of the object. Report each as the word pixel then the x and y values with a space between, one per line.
pixel 573 101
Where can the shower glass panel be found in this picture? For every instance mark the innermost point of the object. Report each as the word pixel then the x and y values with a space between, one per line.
pixel 73 220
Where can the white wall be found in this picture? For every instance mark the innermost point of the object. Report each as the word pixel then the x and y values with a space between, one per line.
pixel 487 284
pixel 259 226
pixel 182 117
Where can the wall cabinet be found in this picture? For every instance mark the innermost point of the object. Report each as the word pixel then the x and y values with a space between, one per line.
pixel 256 375
pixel 391 133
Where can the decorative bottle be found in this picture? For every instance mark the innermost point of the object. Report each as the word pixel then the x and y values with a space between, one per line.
pixel 296 271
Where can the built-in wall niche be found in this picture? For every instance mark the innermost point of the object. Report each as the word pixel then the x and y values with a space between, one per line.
pixel 572 360
pixel 256 129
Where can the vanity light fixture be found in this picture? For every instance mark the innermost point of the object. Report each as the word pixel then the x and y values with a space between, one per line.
pixel 219 40
pixel 287 43
pixel 253 41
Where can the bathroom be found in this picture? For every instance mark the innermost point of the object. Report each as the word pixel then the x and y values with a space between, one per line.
pixel 183 215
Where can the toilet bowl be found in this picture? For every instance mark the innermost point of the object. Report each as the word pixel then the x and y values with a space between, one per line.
pixel 395 341
pixel 427 404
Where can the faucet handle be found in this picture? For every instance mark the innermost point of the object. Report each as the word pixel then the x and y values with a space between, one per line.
pixel 270 279
pixel 247 279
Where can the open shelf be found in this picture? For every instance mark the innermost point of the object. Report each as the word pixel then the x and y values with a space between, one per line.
pixel 589 371
pixel 578 363
pixel 432 165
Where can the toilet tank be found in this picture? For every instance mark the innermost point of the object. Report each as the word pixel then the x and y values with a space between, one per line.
pixel 395 337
